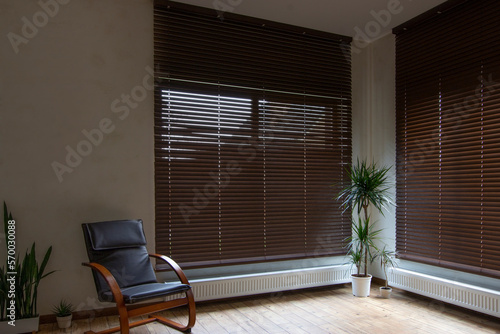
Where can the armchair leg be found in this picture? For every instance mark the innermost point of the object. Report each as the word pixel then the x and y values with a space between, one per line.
pixel 123 316
pixel 191 319
pixel 125 325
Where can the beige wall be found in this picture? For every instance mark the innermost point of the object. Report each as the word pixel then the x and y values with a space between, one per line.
pixel 67 72
pixel 373 95
pixel 84 67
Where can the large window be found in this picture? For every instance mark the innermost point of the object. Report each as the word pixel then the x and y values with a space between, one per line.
pixel 252 137
pixel 448 143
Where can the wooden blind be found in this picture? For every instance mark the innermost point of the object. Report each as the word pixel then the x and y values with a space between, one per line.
pixel 252 137
pixel 448 143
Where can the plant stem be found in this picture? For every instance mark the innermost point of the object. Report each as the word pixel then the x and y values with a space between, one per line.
pixel 365 209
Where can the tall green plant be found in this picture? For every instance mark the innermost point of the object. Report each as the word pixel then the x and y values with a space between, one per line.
pixel 368 186
pixel 27 279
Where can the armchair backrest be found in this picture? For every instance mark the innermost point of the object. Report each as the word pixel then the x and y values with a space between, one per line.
pixel 119 246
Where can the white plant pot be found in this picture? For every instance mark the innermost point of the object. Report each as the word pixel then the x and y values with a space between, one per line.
pixel 385 292
pixel 361 285
pixel 21 326
pixel 64 322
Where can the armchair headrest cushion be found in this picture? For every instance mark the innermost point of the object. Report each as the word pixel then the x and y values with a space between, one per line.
pixel 115 234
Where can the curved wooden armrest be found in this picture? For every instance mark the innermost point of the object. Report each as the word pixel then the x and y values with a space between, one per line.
pixel 174 266
pixel 110 280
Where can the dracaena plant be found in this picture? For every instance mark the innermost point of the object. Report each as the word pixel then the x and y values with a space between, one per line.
pixel 368 186
pixel 28 274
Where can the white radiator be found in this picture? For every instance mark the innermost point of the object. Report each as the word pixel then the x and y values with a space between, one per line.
pixel 464 295
pixel 244 285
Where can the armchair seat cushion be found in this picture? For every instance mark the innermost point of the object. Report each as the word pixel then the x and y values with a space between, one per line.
pixel 142 292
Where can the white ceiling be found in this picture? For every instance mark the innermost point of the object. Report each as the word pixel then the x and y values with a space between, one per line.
pixel 345 17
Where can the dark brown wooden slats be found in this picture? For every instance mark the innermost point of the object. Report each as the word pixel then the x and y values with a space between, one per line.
pixel 252 137
pixel 302 155
pixel 262 185
pixel 211 172
pixel 265 55
pixel 448 146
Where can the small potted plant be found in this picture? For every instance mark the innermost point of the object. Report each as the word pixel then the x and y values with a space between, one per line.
pixel 64 314
pixel 387 261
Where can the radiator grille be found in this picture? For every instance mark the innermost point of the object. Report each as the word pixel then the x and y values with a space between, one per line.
pixel 464 295
pixel 244 285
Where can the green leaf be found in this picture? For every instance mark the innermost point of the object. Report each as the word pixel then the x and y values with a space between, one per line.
pixel 368 185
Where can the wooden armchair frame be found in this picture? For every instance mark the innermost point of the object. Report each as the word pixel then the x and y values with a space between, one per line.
pixel 124 313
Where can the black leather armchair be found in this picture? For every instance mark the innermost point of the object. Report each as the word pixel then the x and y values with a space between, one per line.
pixel 123 274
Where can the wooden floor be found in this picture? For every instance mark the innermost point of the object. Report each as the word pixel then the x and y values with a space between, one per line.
pixel 325 310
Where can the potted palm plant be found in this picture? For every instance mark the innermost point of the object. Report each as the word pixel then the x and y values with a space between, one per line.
pixel 19 281
pixel 368 187
pixel 387 261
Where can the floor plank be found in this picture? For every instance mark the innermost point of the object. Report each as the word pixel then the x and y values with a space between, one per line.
pixel 315 311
